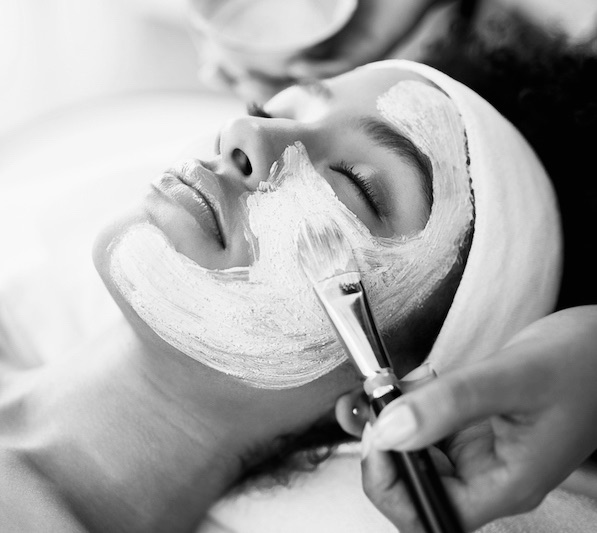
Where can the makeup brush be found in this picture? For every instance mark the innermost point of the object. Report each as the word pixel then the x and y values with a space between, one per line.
pixel 328 261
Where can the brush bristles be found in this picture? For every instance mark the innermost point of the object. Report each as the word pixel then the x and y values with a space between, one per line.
pixel 324 252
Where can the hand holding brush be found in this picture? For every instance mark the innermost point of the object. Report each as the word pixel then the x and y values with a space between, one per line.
pixel 328 261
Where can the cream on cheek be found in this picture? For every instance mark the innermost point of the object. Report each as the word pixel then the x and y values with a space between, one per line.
pixel 262 324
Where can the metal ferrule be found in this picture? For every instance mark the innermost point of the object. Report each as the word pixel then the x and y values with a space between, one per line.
pixel 343 298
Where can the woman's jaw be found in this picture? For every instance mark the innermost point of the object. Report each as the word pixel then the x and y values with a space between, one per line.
pixel 197 221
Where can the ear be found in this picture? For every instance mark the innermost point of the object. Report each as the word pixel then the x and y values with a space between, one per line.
pixel 352 412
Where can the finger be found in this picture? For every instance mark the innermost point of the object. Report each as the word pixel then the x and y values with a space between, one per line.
pixel 417 377
pixel 353 411
pixel 442 462
pixel 382 486
pixel 387 491
pixel 450 402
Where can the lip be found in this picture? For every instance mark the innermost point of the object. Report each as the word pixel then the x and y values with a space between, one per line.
pixel 188 189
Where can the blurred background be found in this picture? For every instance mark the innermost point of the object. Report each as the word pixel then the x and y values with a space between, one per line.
pixel 60 53
pixel 97 98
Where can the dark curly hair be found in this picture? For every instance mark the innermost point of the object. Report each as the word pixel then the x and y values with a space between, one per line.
pixel 547 87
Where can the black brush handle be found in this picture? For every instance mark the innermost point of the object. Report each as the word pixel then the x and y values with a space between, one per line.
pixel 422 481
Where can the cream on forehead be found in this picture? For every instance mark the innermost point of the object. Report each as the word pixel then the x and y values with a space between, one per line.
pixel 262 324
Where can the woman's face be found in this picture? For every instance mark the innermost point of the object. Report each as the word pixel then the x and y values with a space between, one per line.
pixel 365 160
pixel 347 141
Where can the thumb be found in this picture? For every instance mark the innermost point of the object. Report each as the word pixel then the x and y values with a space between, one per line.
pixel 448 403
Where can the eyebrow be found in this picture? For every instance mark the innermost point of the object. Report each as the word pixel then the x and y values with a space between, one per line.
pixel 388 138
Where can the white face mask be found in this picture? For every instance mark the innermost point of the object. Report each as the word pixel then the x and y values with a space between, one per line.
pixel 262 324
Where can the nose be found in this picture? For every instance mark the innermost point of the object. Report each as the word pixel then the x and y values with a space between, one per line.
pixel 249 146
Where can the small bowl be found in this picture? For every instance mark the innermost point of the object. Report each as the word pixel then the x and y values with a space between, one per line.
pixel 264 35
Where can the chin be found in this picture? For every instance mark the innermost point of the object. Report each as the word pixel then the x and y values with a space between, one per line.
pixel 101 259
pixel 108 234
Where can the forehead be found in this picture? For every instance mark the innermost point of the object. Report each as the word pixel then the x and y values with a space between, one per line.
pixel 353 93
pixel 359 89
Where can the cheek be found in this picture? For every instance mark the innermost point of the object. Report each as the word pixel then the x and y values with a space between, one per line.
pixel 228 320
pixel 261 324
pixel 411 203
pixel 349 195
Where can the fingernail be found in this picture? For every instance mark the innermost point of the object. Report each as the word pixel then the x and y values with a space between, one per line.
pixel 424 371
pixel 395 427
pixel 366 441
pixel 419 376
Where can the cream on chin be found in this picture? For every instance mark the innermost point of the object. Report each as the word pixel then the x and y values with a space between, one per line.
pixel 262 324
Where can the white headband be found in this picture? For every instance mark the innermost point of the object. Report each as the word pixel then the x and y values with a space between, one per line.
pixel 513 270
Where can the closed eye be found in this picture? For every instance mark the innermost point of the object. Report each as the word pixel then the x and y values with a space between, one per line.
pixel 361 184
pixel 364 189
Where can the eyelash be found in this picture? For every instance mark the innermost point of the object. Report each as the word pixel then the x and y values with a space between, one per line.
pixel 366 191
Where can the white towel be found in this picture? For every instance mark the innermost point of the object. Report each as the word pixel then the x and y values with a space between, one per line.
pixel 331 500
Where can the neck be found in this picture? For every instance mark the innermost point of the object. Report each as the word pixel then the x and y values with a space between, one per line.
pixel 125 449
